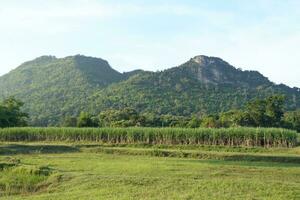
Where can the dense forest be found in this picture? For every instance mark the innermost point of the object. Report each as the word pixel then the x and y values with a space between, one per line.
pixel 268 112
pixel 56 90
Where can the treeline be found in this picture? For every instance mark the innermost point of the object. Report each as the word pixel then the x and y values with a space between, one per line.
pixel 267 112
pixel 11 114
pixel 126 117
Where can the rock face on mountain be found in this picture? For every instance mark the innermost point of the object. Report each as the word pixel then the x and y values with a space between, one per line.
pixel 53 88
pixel 212 70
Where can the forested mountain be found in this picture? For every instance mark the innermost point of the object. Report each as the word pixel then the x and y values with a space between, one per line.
pixel 53 88
pixel 203 85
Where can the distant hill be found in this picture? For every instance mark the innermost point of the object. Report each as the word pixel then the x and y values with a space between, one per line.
pixel 53 88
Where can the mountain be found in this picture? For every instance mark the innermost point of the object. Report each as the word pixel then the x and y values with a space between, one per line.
pixel 203 85
pixel 53 88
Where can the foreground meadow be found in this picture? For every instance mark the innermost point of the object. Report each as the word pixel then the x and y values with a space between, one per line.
pixel 93 171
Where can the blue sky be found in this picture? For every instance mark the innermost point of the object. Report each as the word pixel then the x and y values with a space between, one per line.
pixel 259 35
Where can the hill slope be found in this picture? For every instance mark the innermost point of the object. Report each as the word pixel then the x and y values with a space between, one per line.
pixel 53 88
pixel 203 85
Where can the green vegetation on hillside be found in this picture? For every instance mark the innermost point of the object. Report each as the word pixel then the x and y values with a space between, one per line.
pixel 268 112
pixel 54 89
pixel 193 88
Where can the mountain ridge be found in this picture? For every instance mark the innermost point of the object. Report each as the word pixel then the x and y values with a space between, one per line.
pixel 138 70
pixel 53 88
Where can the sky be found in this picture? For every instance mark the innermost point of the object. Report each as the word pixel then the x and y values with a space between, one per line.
pixel 261 35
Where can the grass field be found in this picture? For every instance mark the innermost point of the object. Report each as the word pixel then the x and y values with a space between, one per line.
pixel 93 171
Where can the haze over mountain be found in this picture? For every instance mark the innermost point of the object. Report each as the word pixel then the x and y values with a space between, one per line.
pixel 53 88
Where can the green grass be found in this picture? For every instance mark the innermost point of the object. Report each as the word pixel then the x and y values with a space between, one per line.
pixel 18 178
pixel 266 137
pixel 104 171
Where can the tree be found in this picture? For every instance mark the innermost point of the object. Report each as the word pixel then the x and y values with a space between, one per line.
pixel 257 113
pixel 210 122
pixel 256 110
pixel 151 120
pixel 292 120
pixel 69 122
pixel 125 117
pixel 11 114
pixel 265 112
pixel 86 120
pixel 194 122
pixel 226 119
pixel 241 118
pixel 275 110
